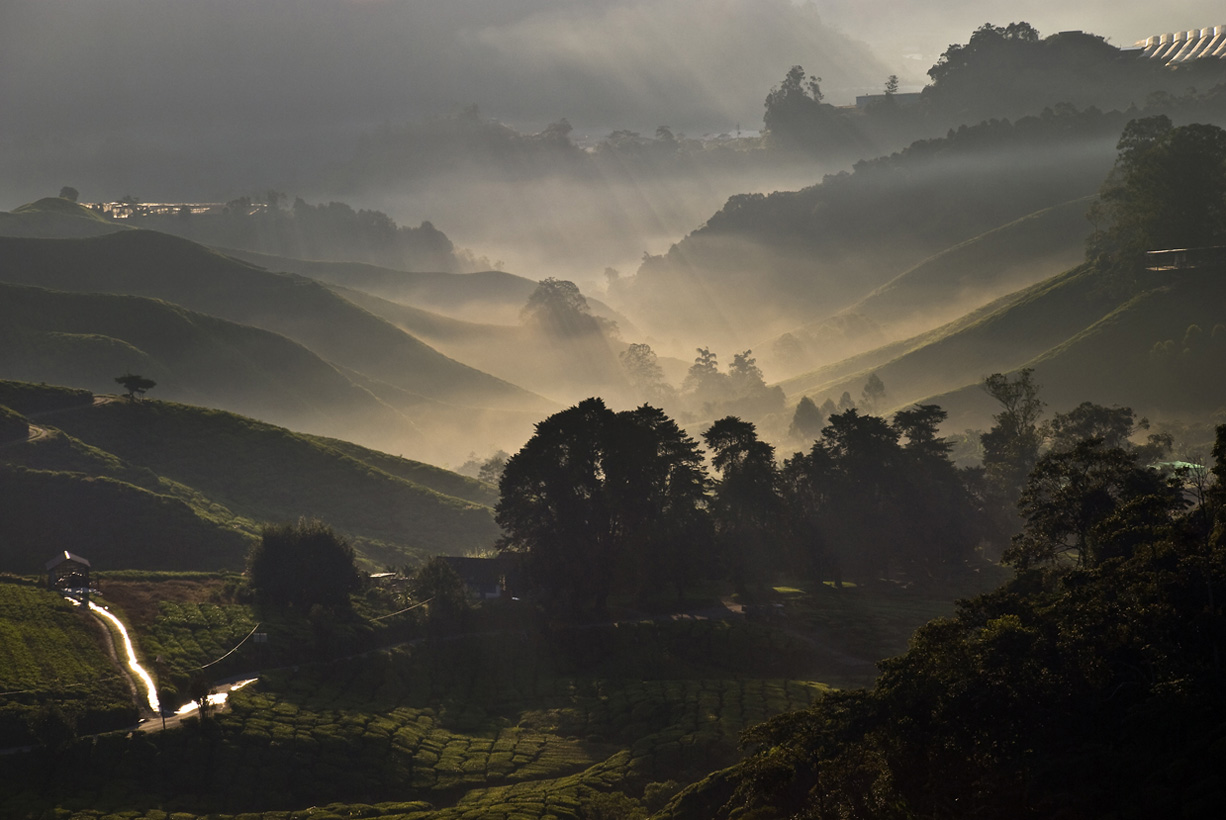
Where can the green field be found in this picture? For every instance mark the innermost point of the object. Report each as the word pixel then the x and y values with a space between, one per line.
pixel 54 665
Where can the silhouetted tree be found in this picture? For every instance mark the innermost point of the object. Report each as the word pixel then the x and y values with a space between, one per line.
pixel 69 193
pixel 807 421
pixel 746 505
pixel 873 394
pixel 597 500
pixel 437 582
pixel 643 370
pixel 558 308
pixel 301 565
pixel 703 381
pixel 1167 189
pixel 135 385
pixel 1069 494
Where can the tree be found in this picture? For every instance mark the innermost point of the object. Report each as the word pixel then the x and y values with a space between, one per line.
pixel 135 384
pixel 1166 190
pixel 703 381
pixel 746 505
pixel 437 582
pixel 873 394
pixel 1069 494
pixel 807 421
pixel 1011 446
pixel 891 85
pixel 557 307
pixel 69 193
pixel 795 115
pixel 593 495
pixel 643 369
pixel 491 469
pixel 301 565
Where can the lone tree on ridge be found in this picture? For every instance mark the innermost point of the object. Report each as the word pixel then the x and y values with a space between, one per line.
pixel 135 384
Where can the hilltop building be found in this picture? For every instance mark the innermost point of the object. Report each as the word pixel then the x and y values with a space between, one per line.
pixel 1181 46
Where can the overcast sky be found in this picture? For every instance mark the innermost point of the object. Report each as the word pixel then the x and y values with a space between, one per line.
pixel 295 79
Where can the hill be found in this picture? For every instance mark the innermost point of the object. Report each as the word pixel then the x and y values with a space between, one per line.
pixel 1088 335
pixel 430 388
pixel 116 478
pixel 86 339
pixel 54 217
pixel 820 250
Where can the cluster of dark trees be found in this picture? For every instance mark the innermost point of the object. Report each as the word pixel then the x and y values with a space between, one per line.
pixel 1000 72
pixel 1166 190
pixel 706 391
pixel 1091 685
pixel 600 503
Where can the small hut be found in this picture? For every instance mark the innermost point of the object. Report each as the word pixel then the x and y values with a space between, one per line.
pixel 68 571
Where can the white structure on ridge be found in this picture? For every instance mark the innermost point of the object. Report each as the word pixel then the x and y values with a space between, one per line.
pixel 1182 46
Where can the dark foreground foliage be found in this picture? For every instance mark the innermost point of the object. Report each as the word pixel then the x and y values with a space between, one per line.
pixel 1086 690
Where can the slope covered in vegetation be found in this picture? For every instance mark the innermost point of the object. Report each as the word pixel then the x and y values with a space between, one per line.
pixel 123 477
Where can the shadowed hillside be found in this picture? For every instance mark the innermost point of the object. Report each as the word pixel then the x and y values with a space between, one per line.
pixel 88 339
pixel 1087 334
pixel 52 218
pixel 224 472
pixel 419 381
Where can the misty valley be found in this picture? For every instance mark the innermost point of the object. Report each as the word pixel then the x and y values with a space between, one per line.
pixel 849 442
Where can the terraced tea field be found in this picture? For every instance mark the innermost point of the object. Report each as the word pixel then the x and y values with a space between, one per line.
pixel 53 656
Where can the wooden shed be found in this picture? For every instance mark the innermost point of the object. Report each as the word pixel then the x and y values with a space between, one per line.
pixel 68 571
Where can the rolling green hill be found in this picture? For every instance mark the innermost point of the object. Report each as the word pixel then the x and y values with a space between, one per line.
pixel 494 294
pixel 53 217
pixel 435 391
pixel 1087 335
pixel 1160 352
pixel 945 286
pixel 158 485
pixel 766 263
pixel 484 296
pixel 87 339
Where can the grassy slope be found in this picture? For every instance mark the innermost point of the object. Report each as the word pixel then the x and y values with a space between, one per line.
pixel 115 479
pixel 1112 360
pixel 947 285
pixel 266 473
pixel 998 338
pixel 578 367
pixel 147 263
pixel 88 339
pixel 495 292
pixel 52 217
pixel 493 295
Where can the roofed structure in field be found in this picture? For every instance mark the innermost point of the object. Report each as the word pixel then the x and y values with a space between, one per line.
pixel 67 571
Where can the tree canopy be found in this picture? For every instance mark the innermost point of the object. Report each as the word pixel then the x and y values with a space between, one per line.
pixel 598 501
pixel 1086 690
pixel 1167 189
pixel 135 384
pixel 302 564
